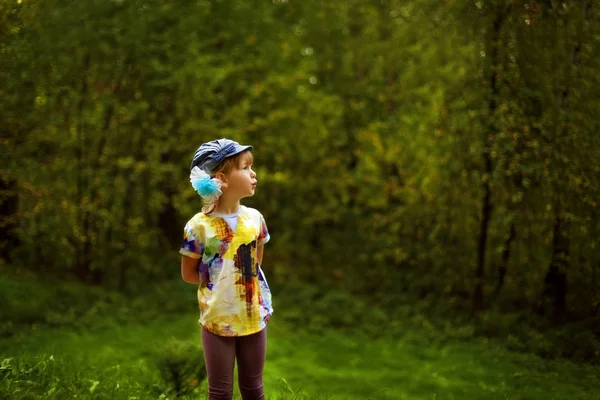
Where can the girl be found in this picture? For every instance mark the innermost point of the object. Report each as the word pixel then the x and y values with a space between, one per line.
pixel 222 251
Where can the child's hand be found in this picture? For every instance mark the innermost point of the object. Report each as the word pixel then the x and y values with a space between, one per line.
pixel 189 269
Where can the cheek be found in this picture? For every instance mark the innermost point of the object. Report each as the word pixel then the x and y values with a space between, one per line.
pixel 240 179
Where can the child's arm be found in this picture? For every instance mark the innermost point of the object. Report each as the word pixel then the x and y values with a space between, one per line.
pixel 189 269
pixel 259 253
pixel 263 238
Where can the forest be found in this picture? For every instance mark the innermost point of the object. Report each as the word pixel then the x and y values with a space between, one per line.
pixel 427 170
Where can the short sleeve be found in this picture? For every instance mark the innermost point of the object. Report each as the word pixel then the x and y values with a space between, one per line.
pixel 191 246
pixel 263 236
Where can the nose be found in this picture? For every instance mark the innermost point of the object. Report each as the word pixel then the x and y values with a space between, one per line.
pixel 252 173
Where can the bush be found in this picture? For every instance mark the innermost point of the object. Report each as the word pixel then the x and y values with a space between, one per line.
pixel 27 302
pixel 525 333
pixel 181 365
pixel 576 342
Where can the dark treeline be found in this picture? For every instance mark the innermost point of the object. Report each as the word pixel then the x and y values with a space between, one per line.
pixel 447 149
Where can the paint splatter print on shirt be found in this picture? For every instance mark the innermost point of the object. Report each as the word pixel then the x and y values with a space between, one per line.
pixel 234 297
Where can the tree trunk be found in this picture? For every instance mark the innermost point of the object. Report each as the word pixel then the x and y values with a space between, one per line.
pixel 555 282
pixel 486 212
pixel 82 260
pixel 9 205
pixel 128 205
pixel 168 220
pixel 503 267
pixel 486 206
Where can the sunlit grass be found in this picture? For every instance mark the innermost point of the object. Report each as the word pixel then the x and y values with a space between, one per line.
pixel 121 361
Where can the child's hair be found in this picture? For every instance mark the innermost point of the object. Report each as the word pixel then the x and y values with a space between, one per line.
pixel 225 167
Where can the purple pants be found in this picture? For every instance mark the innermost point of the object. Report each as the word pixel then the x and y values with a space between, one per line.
pixel 220 353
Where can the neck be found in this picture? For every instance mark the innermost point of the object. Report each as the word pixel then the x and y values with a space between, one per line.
pixel 227 205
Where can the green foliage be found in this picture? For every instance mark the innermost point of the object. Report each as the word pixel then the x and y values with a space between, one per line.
pixel 181 365
pixel 123 364
pixel 406 352
pixel 28 304
pixel 324 307
pixel 54 377
pixel 382 130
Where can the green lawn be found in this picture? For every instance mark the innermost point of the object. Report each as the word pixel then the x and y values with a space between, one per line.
pixel 119 361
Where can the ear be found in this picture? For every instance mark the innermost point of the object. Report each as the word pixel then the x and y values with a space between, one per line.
pixel 221 176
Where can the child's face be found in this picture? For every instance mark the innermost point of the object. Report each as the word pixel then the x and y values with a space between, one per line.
pixel 241 180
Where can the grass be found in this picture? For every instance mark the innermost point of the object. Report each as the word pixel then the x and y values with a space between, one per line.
pixel 64 341
pixel 116 361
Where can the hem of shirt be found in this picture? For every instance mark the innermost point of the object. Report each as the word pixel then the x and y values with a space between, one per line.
pixel 264 325
pixel 189 254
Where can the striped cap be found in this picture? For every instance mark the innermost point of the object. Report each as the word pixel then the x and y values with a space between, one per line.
pixel 210 154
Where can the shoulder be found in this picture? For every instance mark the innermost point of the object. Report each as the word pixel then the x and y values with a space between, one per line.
pixel 253 212
pixel 198 221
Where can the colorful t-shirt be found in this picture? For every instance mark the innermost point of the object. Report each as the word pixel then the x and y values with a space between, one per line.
pixel 234 297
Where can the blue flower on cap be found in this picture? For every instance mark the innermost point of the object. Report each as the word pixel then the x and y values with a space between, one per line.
pixel 207 187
